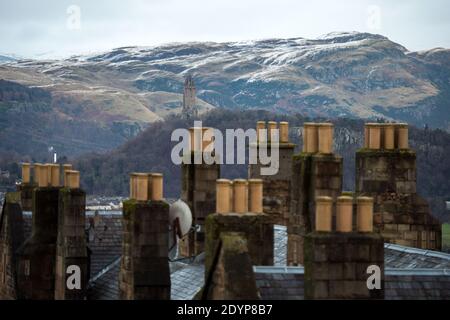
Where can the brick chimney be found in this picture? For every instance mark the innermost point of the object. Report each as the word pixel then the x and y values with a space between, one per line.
pixel 338 262
pixel 277 188
pixel 198 190
pixel 316 172
pixel 144 269
pixel 72 263
pixel 386 171
pixel 256 227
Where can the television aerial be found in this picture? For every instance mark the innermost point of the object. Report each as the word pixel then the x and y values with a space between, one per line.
pixel 180 224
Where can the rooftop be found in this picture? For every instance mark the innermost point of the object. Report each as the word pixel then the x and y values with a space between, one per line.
pixel 410 273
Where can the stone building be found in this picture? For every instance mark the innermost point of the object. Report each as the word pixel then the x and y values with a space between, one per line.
pixel 386 171
pixel 189 95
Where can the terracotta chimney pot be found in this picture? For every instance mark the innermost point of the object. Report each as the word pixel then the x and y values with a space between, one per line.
pixel 284 131
pixel 271 127
pixel 324 214
pixel 344 214
pixel 364 220
pixel 310 137
pixel 255 195
pixel 374 136
pixel 240 196
pixel 325 134
pixel 54 175
pixel 389 136
pixel 402 130
pixel 260 125
pixel 156 187
pixel 72 179
pixel 26 173
pixel 223 195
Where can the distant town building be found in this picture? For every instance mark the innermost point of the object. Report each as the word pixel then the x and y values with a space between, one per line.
pixel 448 205
pixel 189 107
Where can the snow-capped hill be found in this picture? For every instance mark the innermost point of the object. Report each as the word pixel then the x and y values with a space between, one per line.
pixel 341 74
pixel 6 59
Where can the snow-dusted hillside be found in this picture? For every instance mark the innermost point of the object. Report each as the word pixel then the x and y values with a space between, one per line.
pixel 340 74
pixel 352 74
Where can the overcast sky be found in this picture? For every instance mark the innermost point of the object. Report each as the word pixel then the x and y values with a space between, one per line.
pixel 59 28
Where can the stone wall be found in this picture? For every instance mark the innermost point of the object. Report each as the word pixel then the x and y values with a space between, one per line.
pixel 401 216
pixel 313 175
pixel 144 270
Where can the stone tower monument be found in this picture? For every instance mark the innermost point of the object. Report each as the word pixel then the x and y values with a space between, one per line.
pixel 189 108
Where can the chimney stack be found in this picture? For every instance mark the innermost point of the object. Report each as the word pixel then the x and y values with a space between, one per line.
pixel 316 173
pixel 144 269
pixel 386 171
pixel 71 253
pixel 337 262
pixel 256 226
pixel 277 187
pixel 198 190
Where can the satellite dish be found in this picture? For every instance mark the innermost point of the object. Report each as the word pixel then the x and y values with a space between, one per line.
pixel 180 223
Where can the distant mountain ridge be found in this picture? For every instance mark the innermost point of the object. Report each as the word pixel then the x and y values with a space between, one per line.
pixel 350 74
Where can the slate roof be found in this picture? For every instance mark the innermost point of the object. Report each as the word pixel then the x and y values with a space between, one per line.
pixel 410 273
pixel 278 283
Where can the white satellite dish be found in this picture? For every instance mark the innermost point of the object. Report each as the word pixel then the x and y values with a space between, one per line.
pixel 180 223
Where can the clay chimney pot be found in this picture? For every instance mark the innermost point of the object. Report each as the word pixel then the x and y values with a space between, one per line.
pixel 324 214
pixel 223 195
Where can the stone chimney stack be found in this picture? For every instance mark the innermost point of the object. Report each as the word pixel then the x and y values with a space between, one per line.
pixel 71 252
pixel 386 171
pixel 316 172
pixel 11 239
pixel 256 226
pixel 39 253
pixel 277 188
pixel 198 190
pixel 338 263
pixel 144 269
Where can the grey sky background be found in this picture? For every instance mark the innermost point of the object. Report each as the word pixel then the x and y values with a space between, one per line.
pixel 44 29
